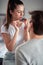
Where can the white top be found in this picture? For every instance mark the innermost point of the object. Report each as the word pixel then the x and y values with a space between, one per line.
pixel 30 53
pixel 11 31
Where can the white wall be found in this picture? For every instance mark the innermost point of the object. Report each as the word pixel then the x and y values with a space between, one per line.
pixel 3 5
pixel 32 5
pixel 29 5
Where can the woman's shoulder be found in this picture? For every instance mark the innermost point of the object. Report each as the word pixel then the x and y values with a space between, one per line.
pixel 11 27
pixel 3 26
pixel 3 29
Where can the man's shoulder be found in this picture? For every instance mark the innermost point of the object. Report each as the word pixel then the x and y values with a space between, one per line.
pixel 28 46
pixel 25 47
pixel 22 45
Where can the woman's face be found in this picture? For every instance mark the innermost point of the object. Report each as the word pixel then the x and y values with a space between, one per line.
pixel 18 13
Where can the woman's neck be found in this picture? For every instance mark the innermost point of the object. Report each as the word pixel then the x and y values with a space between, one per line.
pixel 19 23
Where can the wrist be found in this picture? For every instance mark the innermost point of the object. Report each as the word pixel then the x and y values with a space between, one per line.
pixel 17 31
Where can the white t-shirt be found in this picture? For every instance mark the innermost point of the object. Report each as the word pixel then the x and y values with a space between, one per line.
pixel 11 31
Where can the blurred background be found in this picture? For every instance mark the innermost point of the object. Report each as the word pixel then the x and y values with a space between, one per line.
pixel 30 5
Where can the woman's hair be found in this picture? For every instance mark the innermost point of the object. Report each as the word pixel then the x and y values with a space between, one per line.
pixel 12 4
pixel 37 20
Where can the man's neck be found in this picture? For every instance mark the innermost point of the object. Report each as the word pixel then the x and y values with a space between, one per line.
pixel 36 36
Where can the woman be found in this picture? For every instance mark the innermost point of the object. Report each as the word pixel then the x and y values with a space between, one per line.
pixel 13 30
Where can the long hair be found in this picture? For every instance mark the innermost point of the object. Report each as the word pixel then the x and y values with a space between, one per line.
pixel 11 6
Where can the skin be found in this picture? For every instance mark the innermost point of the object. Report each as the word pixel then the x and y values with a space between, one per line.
pixel 31 31
pixel 17 14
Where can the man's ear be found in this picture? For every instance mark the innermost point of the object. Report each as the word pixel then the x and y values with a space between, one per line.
pixel 32 29
pixel 31 24
pixel 11 12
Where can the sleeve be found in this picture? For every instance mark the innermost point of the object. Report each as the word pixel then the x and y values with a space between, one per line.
pixel 3 29
pixel 19 58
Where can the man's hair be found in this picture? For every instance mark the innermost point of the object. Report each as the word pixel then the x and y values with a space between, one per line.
pixel 37 20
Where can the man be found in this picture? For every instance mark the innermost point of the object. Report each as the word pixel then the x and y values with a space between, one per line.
pixel 31 52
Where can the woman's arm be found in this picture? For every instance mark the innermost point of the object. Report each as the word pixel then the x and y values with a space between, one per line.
pixel 10 43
